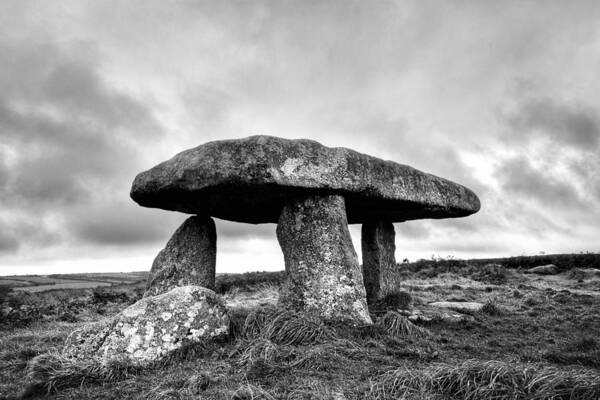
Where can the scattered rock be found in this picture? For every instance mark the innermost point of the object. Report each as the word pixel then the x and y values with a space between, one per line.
pixel 549 269
pixel 189 258
pixel 323 275
pixel 378 254
pixel 153 327
pixel 429 314
pixel 252 179
pixel 582 274
pixel 461 306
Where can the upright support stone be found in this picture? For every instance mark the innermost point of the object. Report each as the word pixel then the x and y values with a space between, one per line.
pixel 378 248
pixel 189 258
pixel 323 274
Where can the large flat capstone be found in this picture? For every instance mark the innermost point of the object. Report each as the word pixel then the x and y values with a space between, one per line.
pixel 252 179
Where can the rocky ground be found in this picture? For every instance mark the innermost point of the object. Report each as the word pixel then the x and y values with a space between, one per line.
pixel 447 332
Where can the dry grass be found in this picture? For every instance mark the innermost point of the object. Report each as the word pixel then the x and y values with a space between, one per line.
pixel 291 328
pixel 52 372
pixel 399 326
pixel 474 379
pixel 313 389
pixel 251 392
pixel 284 327
pixel 255 322
pixel 577 351
pixel 491 307
pixel 324 357
pixel 279 354
pixel 258 349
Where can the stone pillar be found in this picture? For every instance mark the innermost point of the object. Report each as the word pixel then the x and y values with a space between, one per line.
pixel 378 248
pixel 189 258
pixel 323 274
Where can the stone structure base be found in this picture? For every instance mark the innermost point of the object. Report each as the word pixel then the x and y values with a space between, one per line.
pixel 378 248
pixel 323 273
pixel 189 258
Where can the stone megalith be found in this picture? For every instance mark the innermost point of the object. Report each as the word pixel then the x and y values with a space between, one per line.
pixel 378 254
pixel 151 328
pixel 189 258
pixel 323 274
pixel 252 179
pixel 261 179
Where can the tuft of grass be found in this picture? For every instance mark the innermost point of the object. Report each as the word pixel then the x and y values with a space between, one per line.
pixel 284 327
pixel 474 379
pixel 258 349
pixel 491 308
pixel 52 372
pixel 397 325
pixel 256 321
pixel 292 328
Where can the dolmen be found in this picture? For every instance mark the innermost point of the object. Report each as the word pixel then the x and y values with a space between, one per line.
pixel 312 192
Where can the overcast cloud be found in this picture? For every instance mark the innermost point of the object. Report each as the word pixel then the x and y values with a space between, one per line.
pixel 499 96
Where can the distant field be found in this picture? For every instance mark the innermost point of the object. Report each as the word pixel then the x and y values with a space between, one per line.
pixel 42 283
pixel 535 337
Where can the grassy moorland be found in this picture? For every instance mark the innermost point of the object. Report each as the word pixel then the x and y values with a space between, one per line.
pixel 537 337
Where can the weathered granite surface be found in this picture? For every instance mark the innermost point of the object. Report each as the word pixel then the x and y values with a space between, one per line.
pixel 251 179
pixel 426 315
pixel 323 274
pixel 189 258
pixel 549 269
pixel 469 306
pixel 153 327
pixel 379 261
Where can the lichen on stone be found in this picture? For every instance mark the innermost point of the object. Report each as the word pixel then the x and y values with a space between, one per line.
pixel 323 272
pixel 143 337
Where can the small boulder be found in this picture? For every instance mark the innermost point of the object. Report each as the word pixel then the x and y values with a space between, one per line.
pixel 460 306
pixel 426 315
pixel 153 327
pixel 548 269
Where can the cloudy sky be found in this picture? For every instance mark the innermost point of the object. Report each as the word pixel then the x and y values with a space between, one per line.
pixel 501 96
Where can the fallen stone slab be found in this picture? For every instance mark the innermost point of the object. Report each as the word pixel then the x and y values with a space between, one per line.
pixel 323 274
pixel 189 258
pixel 431 314
pixel 461 306
pixel 252 179
pixel 153 327
pixel 548 269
